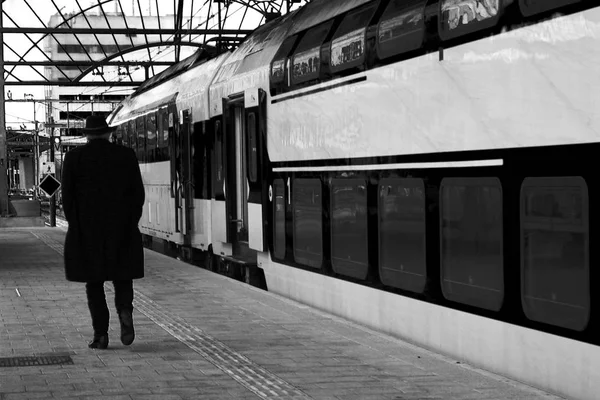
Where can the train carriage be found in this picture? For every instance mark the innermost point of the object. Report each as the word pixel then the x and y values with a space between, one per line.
pixel 166 123
pixel 423 167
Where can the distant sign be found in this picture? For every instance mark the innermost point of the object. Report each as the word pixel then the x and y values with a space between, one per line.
pixel 50 185
pixel 48 168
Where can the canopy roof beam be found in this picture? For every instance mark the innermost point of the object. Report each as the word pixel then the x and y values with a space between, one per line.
pixel 101 63
pixel 73 83
pixel 87 63
pixel 123 31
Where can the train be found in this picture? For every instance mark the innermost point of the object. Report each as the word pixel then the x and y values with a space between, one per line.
pixel 425 168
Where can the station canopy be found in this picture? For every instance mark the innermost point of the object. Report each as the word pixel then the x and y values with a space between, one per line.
pixel 119 43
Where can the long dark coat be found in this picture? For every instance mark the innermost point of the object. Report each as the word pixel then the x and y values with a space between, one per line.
pixel 103 200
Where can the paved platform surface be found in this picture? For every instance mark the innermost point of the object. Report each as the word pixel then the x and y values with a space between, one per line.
pixel 200 335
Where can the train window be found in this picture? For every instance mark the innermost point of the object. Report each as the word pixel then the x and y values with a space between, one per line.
pixel 555 285
pixel 279 218
pixel 459 18
pixel 125 134
pixel 308 222
pixel 206 161
pixel 159 125
pixel 133 136
pixel 151 143
pixel 278 65
pixel 348 44
pixel 117 134
pixel 219 168
pixel 402 28
pixel 471 241
pixel 166 150
pixel 306 61
pixel 141 139
pixel 159 137
pixel 252 149
pixel 199 162
pixel 532 7
pixel 402 233
pixel 349 255
pixel 122 133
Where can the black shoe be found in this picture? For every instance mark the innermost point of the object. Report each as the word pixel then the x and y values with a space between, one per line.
pixel 99 342
pixel 127 331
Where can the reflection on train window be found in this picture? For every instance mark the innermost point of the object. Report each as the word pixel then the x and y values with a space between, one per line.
pixel 348 44
pixel 531 7
pixel 349 255
pixel 278 65
pixel 117 136
pixel 402 233
pixel 252 149
pixel 471 241
pixel 306 60
pixel 125 134
pixel 133 136
pixel 555 251
pixel 277 70
pixel 279 218
pixel 151 135
pixel 464 16
pixel 166 149
pixel 141 139
pixel 125 127
pixel 308 226
pixel 306 64
pixel 159 136
pixel 402 28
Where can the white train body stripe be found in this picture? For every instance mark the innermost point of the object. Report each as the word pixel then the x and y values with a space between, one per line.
pixel 371 167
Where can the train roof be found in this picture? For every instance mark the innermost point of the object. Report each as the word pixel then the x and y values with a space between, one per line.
pixel 194 86
pixel 248 67
pixel 258 49
pixel 318 11
pixel 183 89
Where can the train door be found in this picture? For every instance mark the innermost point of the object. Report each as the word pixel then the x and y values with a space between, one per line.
pixel 236 183
pixel 175 163
pixel 255 101
pixel 186 179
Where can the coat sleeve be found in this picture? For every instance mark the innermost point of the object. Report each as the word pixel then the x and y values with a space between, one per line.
pixel 137 188
pixel 68 187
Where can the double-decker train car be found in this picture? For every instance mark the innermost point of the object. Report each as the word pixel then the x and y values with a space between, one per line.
pixel 422 167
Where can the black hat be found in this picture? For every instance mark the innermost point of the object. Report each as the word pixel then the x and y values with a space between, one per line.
pixel 96 125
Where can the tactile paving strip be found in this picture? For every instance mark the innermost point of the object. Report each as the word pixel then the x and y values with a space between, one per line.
pixel 58 247
pixel 30 361
pixel 260 381
pixel 257 379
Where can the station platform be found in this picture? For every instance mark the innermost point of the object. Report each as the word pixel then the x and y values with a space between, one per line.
pixel 200 335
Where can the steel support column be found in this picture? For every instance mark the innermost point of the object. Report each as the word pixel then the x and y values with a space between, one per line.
pixel 53 198
pixel 3 147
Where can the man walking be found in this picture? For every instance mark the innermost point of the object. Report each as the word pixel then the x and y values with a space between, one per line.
pixel 103 199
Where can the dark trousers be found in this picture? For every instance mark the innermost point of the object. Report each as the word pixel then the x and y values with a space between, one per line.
pixel 97 302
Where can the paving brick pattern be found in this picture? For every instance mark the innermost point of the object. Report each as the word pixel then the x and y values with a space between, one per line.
pixel 203 336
